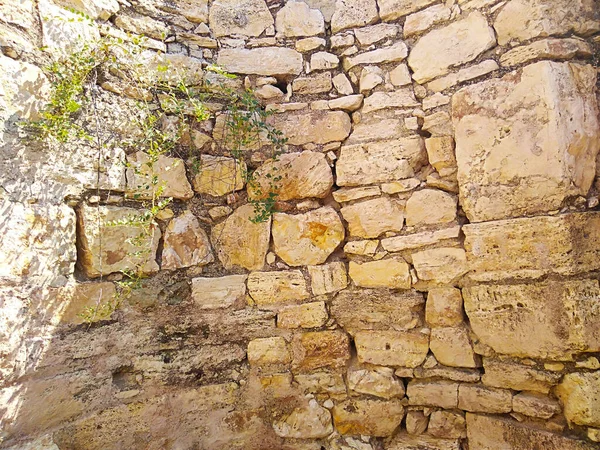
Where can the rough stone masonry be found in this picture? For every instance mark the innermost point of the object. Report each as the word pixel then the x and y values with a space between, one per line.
pixel 429 282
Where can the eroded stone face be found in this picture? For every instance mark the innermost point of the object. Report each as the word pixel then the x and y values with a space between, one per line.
pixel 353 13
pixel 186 243
pixel 248 17
pixel 394 9
pixel 218 175
pixel 392 348
pixel 272 288
pixel 318 127
pixel 518 377
pixel 261 61
pixel 297 19
pixel 386 273
pixel 371 218
pixel 311 422
pixel 368 417
pixel 580 395
pixel 320 349
pixel 517 155
pixel 220 292
pixel 377 381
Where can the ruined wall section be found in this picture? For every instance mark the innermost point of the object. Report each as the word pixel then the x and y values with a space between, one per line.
pixel 429 282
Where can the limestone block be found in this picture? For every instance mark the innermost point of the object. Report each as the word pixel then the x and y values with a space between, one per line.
pixel 311 422
pixel 261 61
pixel 220 292
pixel 447 424
pixel 455 44
pixel 312 85
pixel 218 175
pixel 302 175
pixel 328 278
pixel 562 315
pixel 423 20
pixel 579 393
pixel 386 273
pixel 266 352
pixel 348 103
pixel 353 13
pixel 193 10
pixel 96 9
pixel 139 24
pixel 478 398
pixel 77 297
pixel 535 405
pixel 403 441
pixel 308 315
pixel 321 383
pixel 423 239
pixel 466 74
pixel 430 206
pixel 394 53
pixel 309 44
pixel 296 19
pixel 449 373
pixel 392 348
pixel 273 288
pixel 566 245
pixel 106 248
pixel 440 152
pixel 374 128
pixel 349 194
pixel 518 377
pixel 371 77
pixel 368 247
pixel 185 244
pixel 370 309
pixel 342 84
pixel 342 40
pixel 318 127
pixel 309 238
pixel 370 218
pixel 444 307
pixel 368 417
pixel 247 17
pixel 240 242
pixel 489 137
pixel 416 422
pixel 390 10
pixel 526 19
pixel 377 381
pixel 370 35
pixel 400 76
pixel 323 61
pixel 401 98
pixel 320 349
pixel 492 433
pixel 440 265
pixel 379 162
pixel 547 49
pixel 433 393
pixel 452 347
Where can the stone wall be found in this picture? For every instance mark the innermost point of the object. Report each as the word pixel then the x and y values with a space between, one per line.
pixel 429 282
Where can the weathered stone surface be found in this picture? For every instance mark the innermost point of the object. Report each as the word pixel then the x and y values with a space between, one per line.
pixel 309 44
pixel 312 85
pixel 440 265
pixel 266 352
pixel 186 243
pixel 402 98
pixel 303 175
pixel 466 74
pixel 547 49
pixel 430 206
pixel 370 218
pixel 478 398
pixel 449 373
pixel 320 349
pixel 308 315
pixel 403 441
pixel 323 61
pixel 106 249
pixel 221 292
pixel 440 152
pixel 423 239
pixel 452 347
pixel 194 10
pixel 562 315
pixel 328 278
pixel 377 381
pixel 368 417
pixel 394 9
pixel 261 61
pixel 353 13
pixel 138 24
pixel 526 19
pixel 371 77
pixel 272 288
pixel 370 35
pixel 80 296
pixel 379 162
pixel 444 307
pixel 218 175
pixel 535 405
pixel 416 422
pixel 452 45
pixel 392 348
pixel 309 238
pixel 319 127
pixel 579 394
pixel 321 383
pixel 447 424
pixel 548 170
pixel 517 377
pixel 386 273
pixel 349 194
pixel 310 422
pixel 369 309
pixel 240 242
pixel 491 433
pixel 433 393
pixel 342 84
pixel 396 52
pixel 423 20
pixel 96 9
pixel 349 103
pixel 296 19
pixel 368 247
pixel 248 17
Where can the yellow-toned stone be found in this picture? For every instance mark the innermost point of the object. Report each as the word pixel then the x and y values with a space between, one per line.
pixel 440 152
pixel 579 394
pixel 320 349
pixel 219 292
pixel 452 347
pixel 535 405
pixel 185 243
pixel 248 17
pixel 517 377
pixel 297 19
pixel 368 417
pixel 309 238
pixel 479 398
pixel 361 247
pixel 277 288
pixel 328 278
pixel 353 13
pixel 391 348
pixel 218 175
pixel 371 218
pixel 170 173
pixel 318 127
pixel 440 265
pixel 307 315
pixel 444 307
pixel 321 383
pixel 447 424
pixel 261 61
pixel 75 298
pixel 268 352
pixel 546 48
pixel 430 206
pixel 396 52
pixel 374 380
pixel 403 441
pixel 394 9
pixel 390 273
pixel 311 422
pixel 433 393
